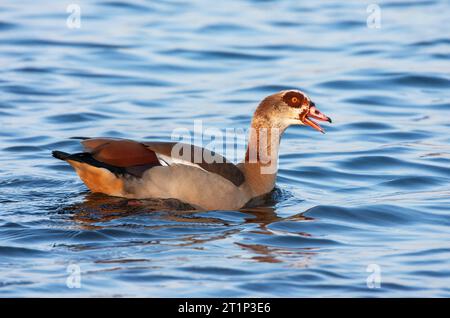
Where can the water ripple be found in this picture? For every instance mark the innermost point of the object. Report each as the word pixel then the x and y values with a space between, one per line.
pixel 373 190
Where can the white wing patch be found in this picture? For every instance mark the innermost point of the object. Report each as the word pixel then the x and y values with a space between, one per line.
pixel 169 161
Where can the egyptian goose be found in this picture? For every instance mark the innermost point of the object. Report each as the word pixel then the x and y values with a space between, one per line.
pixel 194 175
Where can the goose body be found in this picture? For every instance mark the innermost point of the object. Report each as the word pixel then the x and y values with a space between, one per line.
pixel 191 174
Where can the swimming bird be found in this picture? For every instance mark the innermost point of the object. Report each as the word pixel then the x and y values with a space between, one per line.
pixel 191 174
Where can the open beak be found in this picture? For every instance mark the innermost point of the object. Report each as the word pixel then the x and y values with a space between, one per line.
pixel 316 114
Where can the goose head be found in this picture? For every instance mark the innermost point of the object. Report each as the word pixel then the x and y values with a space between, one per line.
pixel 286 108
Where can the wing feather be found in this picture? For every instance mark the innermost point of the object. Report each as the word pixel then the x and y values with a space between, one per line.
pixel 137 157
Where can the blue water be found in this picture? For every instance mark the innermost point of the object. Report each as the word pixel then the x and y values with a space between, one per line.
pixel 374 192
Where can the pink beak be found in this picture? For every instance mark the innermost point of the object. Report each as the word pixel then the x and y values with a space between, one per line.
pixel 316 114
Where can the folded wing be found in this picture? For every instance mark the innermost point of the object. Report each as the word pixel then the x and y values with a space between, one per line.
pixel 135 158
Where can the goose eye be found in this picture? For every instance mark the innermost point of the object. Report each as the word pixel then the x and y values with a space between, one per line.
pixel 294 99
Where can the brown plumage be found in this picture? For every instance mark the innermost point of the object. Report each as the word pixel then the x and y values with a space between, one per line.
pixel 120 152
pixel 164 170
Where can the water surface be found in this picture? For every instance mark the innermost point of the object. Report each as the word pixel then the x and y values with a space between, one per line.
pixel 374 190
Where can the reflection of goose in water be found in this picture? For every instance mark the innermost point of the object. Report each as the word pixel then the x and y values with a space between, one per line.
pixel 142 170
pixel 172 217
pixel 101 208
